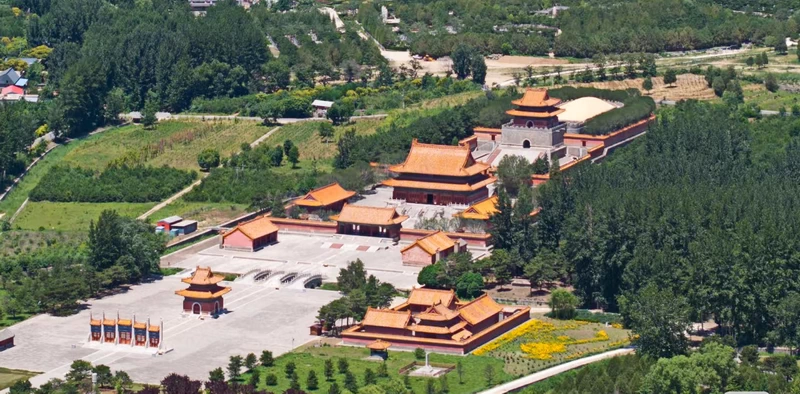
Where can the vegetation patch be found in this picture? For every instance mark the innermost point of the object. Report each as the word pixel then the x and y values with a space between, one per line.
pixel 9 376
pixel 71 216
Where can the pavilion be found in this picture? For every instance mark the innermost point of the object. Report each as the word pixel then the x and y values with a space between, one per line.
pixel 440 175
pixel 436 320
pixel 369 221
pixel 204 295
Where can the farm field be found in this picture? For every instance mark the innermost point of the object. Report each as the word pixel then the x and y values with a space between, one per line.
pixel 173 143
pixel 71 216
pixel 765 99
pixel 206 213
pixel 23 241
pixel 313 358
pixel 543 342
pixel 689 86
pixel 9 376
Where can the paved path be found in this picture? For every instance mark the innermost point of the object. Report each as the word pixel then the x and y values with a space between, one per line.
pixel 550 372
pixel 264 137
pixel 170 200
pixel 19 210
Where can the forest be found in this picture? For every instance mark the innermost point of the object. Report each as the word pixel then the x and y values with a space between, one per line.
pixel 64 183
pixel 705 209
pixel 587 28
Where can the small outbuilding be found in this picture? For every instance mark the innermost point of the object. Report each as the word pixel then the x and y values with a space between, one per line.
pixel 321 107
pixel 185 227
pixel 250 236
pixel 168 223
pixel 6 339
pixel 429 250
pixel 8 77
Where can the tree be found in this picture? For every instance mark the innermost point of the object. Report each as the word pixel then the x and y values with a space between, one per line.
pixel 780 47
pixel 544 267
pixel 250 361
pixel 369 377
pixel 469 284
pixel 383 370
pixel 749 355
pixel 719 86
pixel 311 381
pixel 478 67
pixel 216 375
pixel 255 377
pixel 647 84
pixel 764 58
pixel 293 156
pixel 289 369
pixel 462 60
pixel 334 389
pixel 786 314
pixel 562 304
pixel 514 172
pixel 294 381
pixel 670 76
pixel 460 372
pixel 350 382
pixel 341 112
pixel 277 75
pixel 346 145
pixel 353 277
pixel 771 83
pixel 659 317
pixel 342 365
pixel 180 384
pixel 351 70
pixel 444 386
pixel 114 105
pixel 429 276
pixel 489 375
pixel 419 353
pixel 208 159
pixel 325 131
pixel 328 370
pixel 234 367
pixel 276 156
pixel 271 379
pixel 759 61
pixel 266 358
pixel 749 61
pixel 79 371
pixel 150 108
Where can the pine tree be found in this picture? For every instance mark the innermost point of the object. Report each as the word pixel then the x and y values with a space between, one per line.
pixel 350 382
pixel 328 370
pixel 266 358
pixel 311 381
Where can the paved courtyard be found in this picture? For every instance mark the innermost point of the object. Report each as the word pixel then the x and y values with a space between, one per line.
pixel 308 255
pixel 263 316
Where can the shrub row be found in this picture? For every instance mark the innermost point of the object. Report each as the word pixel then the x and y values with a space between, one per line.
pixel 64 183
pixel 635 109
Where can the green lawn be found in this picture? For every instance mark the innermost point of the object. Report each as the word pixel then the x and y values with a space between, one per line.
pixel 12 202
pixel 72 216
pixel 172 143
pixel 313 358
pixel 9 376
pixel 206 213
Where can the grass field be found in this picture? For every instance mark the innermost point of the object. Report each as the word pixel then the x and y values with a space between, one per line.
pixel 768 100
pixel 172 143
pixel 9 376
pixel 23 241
pixel 313 358
pixel 71 216
pixel 206 213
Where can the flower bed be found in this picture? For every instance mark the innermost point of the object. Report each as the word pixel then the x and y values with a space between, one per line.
pixel 541 343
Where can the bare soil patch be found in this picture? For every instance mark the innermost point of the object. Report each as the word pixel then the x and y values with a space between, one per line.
pixel 689 86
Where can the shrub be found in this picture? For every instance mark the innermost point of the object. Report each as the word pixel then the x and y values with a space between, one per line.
pixel 419 353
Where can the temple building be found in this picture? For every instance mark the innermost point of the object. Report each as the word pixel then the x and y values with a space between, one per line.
pixel 440 175
pixel 204 295
pixel 481 210
pixel 369 221
pixel 251 235
pixel 327 198
pixel 436 320
pixel 430 249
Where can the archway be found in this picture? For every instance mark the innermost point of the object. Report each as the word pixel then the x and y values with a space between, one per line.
pixel 526 144
pixel 529 124
pixel 195 309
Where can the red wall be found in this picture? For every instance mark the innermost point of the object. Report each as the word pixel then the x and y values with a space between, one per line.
pixel 416 256
pixel 206 306
pixel 6 343
pixel 482 240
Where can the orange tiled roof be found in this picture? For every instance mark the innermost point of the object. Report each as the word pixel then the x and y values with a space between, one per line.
pixel 109 322
pixel 480 309
pixel 431 297
pixel 203 276
pixel 461 335
pixel 488 130
pixel 139 325
pixel 481 210
pixel 437 330
pixel 433 243
pixel 536 98
pixel 94 322
pixel 438 312
pixel 369 215
pixel 323 196
pixel 446 160
pixel 379 345
pixel 123 322
pixel 154 328
pixel 256 228
pixel 534 114
pixel 386 318
pixel 203 295
pixel 455 187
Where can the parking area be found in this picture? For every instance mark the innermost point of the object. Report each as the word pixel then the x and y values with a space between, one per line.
pixel 309 255
pixel 263 316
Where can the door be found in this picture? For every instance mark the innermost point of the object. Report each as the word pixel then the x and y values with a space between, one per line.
pixel 430 199
pixel 196 309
